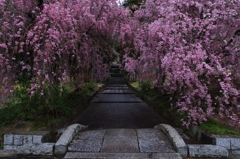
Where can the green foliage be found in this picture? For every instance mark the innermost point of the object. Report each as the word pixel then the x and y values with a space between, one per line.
pixel 47 102
pixel 131 3
pixel 215 127
pixel 7 114
pixel 40 122
pixel 151 92
pixel 145 85
pixel 135 85
pixel 89 86
pixel 162 100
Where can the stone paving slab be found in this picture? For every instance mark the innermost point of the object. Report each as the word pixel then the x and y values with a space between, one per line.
pixel 74 155
pixel 87 141
pixel 119 115
pixel 117 85
pixel 113 91
pixel 117 88
pixel 120 140
pixel 114 98
pixel 116 80
pixel 151 140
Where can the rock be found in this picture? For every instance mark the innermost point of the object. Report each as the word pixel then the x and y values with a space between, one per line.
pixel 195 132
pixel 8 153
pixel 175 138
pixel 66 138
pixel 10 147
pixel 60 132
pixel 44 149
pixel 236 152
pixel 224 142
pixel 37 139
pixel 235 143
pixel 27 139
pixel 8 139
pixel 230 142
pixel 207 151
pixel 18 140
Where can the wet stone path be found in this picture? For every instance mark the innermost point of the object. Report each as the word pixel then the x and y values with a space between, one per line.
pixel 120 125
pixel 118 107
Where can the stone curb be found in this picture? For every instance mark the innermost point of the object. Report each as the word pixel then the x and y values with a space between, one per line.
pixel 44 149
pixel 175 138
pixel 229 142
pixel 65 139
pixel 19 138
pixel 8 153
pixel 208 151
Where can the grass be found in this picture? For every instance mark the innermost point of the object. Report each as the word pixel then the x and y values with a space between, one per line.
pixel 10 119
pixel 135 85
pixel 214 127
pixel 162 101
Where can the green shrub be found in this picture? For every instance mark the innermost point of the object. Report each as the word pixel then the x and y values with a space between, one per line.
pixel 145 85
pixel 50 100
pixel 7 114
pixel 23 105
pixel 215 127
pixel 89 86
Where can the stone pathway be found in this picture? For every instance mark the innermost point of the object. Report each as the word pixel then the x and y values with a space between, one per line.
pixel 121 143
pixel 118 107
pixel 120 125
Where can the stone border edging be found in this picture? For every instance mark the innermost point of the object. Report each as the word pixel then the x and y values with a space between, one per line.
pixel 209 151
pixel 15 139
pixel 8 153
pixel 65 139
pixel 191 150
pixel 43 149
pixel 175 138
pixel 230 142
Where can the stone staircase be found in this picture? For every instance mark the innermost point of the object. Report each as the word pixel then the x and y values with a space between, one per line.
pixel 121 143
pixel 119 126
pixel 71 155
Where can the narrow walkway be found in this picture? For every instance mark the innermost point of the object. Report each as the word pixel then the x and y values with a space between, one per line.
pixel 120 126
pixel 118 107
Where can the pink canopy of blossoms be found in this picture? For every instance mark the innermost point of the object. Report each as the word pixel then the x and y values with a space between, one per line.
pixel 190 48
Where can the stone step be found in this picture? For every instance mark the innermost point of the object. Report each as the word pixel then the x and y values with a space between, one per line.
pixel 115 98
pixel 79 155
pixel 111 91
pixel 117 88
pixel 117 85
